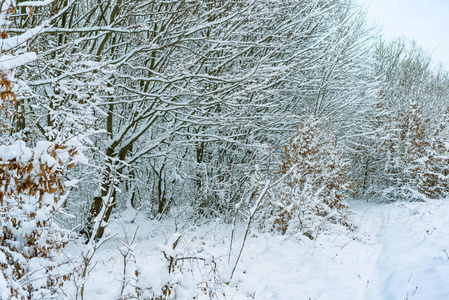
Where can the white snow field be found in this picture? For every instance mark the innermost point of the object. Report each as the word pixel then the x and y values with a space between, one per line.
pixel 399 251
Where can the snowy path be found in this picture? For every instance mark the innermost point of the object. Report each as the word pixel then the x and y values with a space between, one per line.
pixel 412 262
pixel 398 253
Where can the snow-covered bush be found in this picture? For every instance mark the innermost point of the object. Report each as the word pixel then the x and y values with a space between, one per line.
pixel 187 275
pixel 31 182
pixel 313 192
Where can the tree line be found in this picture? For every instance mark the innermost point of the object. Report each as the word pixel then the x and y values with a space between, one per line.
pixel 182 99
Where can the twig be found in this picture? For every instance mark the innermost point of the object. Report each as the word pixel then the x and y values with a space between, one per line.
pixel 248 225
pixel 253 211
pixel 447 255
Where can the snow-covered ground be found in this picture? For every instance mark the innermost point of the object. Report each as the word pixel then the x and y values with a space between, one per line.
pixel 399 251
pixel 412 256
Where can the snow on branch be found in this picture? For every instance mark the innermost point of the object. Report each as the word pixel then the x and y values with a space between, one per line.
pixel 34 3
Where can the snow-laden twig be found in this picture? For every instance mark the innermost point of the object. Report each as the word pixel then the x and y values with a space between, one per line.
pixel 251 215
pixel 127 252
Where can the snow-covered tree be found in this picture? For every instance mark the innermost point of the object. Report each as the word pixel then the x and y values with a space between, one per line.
pixel 313 60
pixel 32 180
pixel 416 157
pixel 314 191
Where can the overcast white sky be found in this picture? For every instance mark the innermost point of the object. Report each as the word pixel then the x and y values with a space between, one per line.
pixel 426 21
